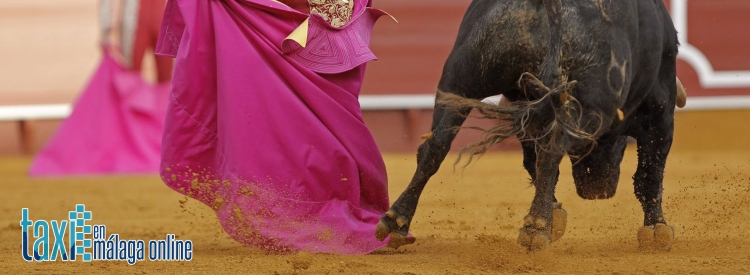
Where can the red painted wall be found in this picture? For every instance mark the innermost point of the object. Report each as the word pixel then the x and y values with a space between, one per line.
pixel 720 29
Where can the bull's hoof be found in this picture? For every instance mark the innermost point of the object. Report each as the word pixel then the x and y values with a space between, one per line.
pixel 397 240
pixel 535 234
pixel 394 225
pixel 382 231
pixel 656 237
pixel 559 222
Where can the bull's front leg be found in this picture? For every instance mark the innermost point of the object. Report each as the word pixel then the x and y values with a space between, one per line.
pixel 536 233
pixel 431 154
pixel 654 144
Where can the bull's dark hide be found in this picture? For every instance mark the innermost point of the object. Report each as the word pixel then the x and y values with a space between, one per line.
pixel 580 76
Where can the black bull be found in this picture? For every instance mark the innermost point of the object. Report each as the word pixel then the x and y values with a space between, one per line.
pixel 606 70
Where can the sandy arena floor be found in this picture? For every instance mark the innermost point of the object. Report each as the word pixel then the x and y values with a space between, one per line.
pixel 466 224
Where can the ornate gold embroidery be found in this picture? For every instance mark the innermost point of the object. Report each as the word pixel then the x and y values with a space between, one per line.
pixel 335 12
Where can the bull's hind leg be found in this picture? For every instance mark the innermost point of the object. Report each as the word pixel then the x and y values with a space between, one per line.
pixel 536 233
pixel 654 142
pixel 430 155
pixel 559 215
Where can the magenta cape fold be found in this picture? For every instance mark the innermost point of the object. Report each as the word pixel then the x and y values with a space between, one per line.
pixel 115 127
pixel 268 133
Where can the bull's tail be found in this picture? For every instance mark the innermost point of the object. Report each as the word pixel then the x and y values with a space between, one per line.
pixel 550 72
pixel 548 123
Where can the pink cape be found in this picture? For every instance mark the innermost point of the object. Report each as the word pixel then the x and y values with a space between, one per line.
pixel 270 133
pixel 115 127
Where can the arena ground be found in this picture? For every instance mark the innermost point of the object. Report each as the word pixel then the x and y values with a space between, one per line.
pixel 466 224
